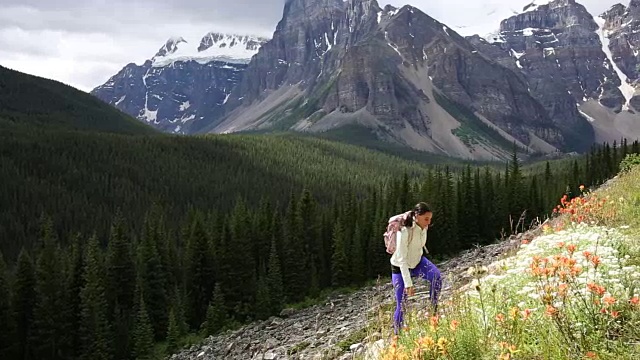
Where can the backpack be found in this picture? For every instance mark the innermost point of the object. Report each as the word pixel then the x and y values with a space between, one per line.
pixel 395 223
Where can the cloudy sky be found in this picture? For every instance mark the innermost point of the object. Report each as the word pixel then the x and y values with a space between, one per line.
pixel 82 43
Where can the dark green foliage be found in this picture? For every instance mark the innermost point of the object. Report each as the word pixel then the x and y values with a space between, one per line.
pixel 95 330
pixel 216 318
pixel 120 285
pixel 24 303
pixel 142 334
pixel 8 338
pixel 274 280
pixel 27 100
pixel 200 272
pixel 48 335
pixel 173 333
pixel 340 265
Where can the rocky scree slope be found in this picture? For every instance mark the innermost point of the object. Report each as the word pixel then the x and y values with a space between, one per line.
pixel 344 325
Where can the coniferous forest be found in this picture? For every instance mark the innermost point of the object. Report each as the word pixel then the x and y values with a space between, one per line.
pixel 114 238
pixel 112 243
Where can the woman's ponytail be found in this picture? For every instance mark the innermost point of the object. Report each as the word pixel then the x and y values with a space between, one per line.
pixel 409 221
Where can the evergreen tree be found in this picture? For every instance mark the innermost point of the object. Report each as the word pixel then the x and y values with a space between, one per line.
pixel 8 338
pixel 294 261
pixel 95 330
pixel 74 285
pixel 120 282
pixel 200 276
pixel 340 266
pixel 274 280
pixel 239 271
pixel 515 191
pixel 142 334
pixel 263 299
pixel 153 279
pixel 216 318
pixel 173 332
pixel 358 269
pixel 24 304
pixel 49 311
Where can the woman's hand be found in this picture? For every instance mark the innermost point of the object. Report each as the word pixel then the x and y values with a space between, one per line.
pixel 411 291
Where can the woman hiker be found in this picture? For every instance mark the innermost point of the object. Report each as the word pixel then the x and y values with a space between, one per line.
pixel 408 261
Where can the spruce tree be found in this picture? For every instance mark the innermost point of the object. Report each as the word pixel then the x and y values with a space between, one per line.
pixel 358 269
pixel 294 260
pixel 142 334
pixel 339 264
pixel 24 304
pixel 95 330
pixel 200 275
pixel 274 280
pixel 173 332
pixel 49 311
pixel 120 285
pixel 263 298
pixel 154 283
pixel 74 285
pixel 8 338
pixel 239 271
pixel 216 318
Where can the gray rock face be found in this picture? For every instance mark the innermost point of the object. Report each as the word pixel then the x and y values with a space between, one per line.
pixel 621 26
pixel 181 87
pixel 558 50
pixel 353 55
pixel 174 98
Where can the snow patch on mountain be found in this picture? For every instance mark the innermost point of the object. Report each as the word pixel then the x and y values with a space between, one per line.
pixel 626 88
pixel 535 5
pixel 213 46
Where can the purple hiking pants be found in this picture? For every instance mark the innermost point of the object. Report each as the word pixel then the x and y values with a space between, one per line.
pixel 426 270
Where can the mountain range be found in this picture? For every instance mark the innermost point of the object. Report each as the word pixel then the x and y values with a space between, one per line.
pixel 553 79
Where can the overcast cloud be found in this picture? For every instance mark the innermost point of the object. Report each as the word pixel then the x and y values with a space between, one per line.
pixel 83 43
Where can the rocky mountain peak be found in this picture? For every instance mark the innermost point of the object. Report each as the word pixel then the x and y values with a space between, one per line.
pixel 247 42
pixel 170 46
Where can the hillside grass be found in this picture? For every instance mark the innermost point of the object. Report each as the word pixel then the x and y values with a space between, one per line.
pixel 571 293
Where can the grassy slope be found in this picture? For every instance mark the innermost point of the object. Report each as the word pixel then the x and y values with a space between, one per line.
pixel 579 303
pixel 27 100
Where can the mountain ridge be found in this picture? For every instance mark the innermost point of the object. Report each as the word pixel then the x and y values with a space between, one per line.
pixel 333 63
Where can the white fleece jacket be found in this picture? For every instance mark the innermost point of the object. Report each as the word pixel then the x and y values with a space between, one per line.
pixel 408 253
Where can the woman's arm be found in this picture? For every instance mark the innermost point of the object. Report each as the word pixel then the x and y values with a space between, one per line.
pixel 402 250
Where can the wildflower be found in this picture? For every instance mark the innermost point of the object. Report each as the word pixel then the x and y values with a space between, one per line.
pixel 526 313
pixel 425 343
pixel 454 325
pixel 551 311
pixel 442 345
pixel 571 248
pixel 615 314
pixel 591 355
pixel 500 318
pixel 609 300
pixel 434 321
pixel 513 313
pixel 581 187
pixel 634 300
